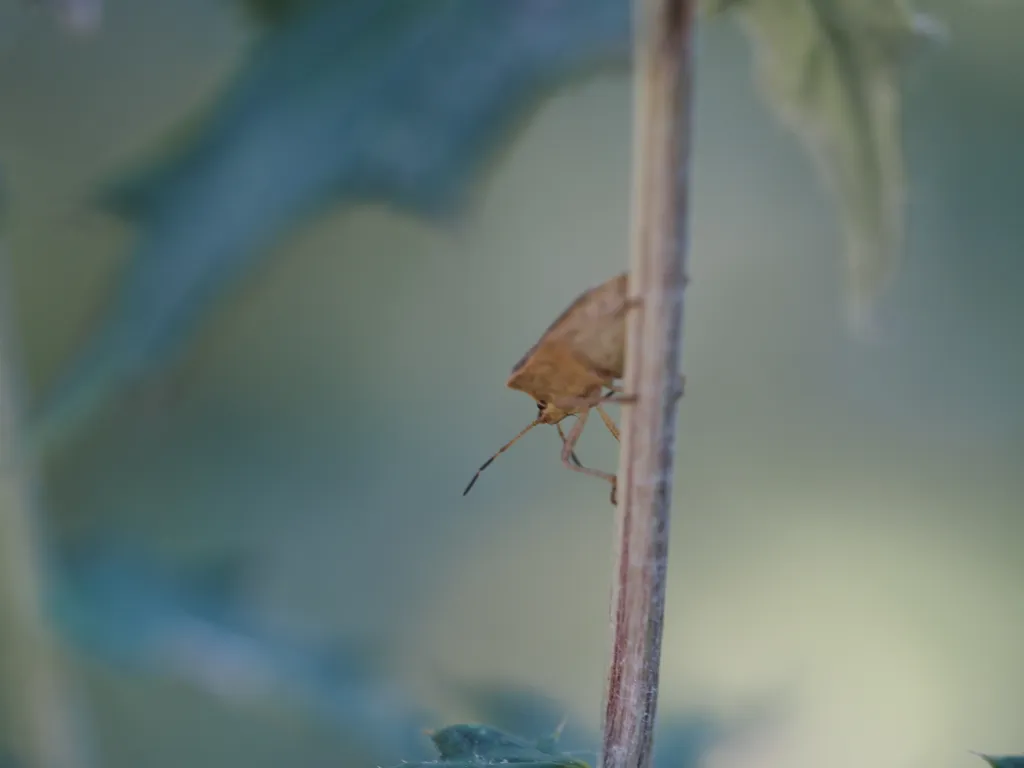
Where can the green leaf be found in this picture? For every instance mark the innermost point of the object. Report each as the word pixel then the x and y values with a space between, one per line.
pixel 831 69
pixel 476 745
pixel 1002 761
pixel 517 708
pixel 683 738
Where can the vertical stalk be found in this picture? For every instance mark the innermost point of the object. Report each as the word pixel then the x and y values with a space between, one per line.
pixel 35 692
pixel 663 63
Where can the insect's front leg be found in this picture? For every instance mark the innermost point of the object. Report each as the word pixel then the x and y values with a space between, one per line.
pixel 567 452
pixel 575 458
pixel 617 390
pixel 584 403
pixel 617 396
pixel 608 421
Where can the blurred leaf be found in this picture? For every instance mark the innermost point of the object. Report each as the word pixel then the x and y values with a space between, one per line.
pixel 1002 761
pixel 476 745
pixel 405 104
pixel 398 103
pixel 224 582
pixel 81 17
pixel 121 607
pixel 275 11
pixel 831 70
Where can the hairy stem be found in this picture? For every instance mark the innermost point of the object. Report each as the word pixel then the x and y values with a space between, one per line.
pixel 663 76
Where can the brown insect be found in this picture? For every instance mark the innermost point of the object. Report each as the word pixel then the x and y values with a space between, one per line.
pixel 580 355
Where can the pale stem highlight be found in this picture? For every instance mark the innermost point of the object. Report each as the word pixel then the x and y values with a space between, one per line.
pixel 47 732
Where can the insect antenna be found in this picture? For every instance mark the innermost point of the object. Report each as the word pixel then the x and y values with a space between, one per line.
pixel 500 451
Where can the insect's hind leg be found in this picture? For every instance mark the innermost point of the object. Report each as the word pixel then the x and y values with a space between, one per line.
pixel 567 454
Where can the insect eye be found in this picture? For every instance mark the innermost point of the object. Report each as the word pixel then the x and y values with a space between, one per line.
pixel 541 405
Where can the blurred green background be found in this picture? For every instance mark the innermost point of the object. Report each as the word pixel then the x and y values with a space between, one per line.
pixel 846 515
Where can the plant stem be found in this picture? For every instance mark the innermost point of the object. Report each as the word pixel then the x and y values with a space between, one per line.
pixel 663 76
pixel 36 691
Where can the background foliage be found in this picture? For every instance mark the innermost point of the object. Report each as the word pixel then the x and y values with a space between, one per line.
pixel 851 510
pixel 348 101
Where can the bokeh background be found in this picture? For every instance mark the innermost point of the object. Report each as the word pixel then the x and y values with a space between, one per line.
pixel 848 516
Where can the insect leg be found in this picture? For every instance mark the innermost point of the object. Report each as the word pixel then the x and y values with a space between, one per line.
pixel 583 403
pixel 616 396
pixel 621 399
pixel 608 421
pixel 570 443
pixel 561 434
